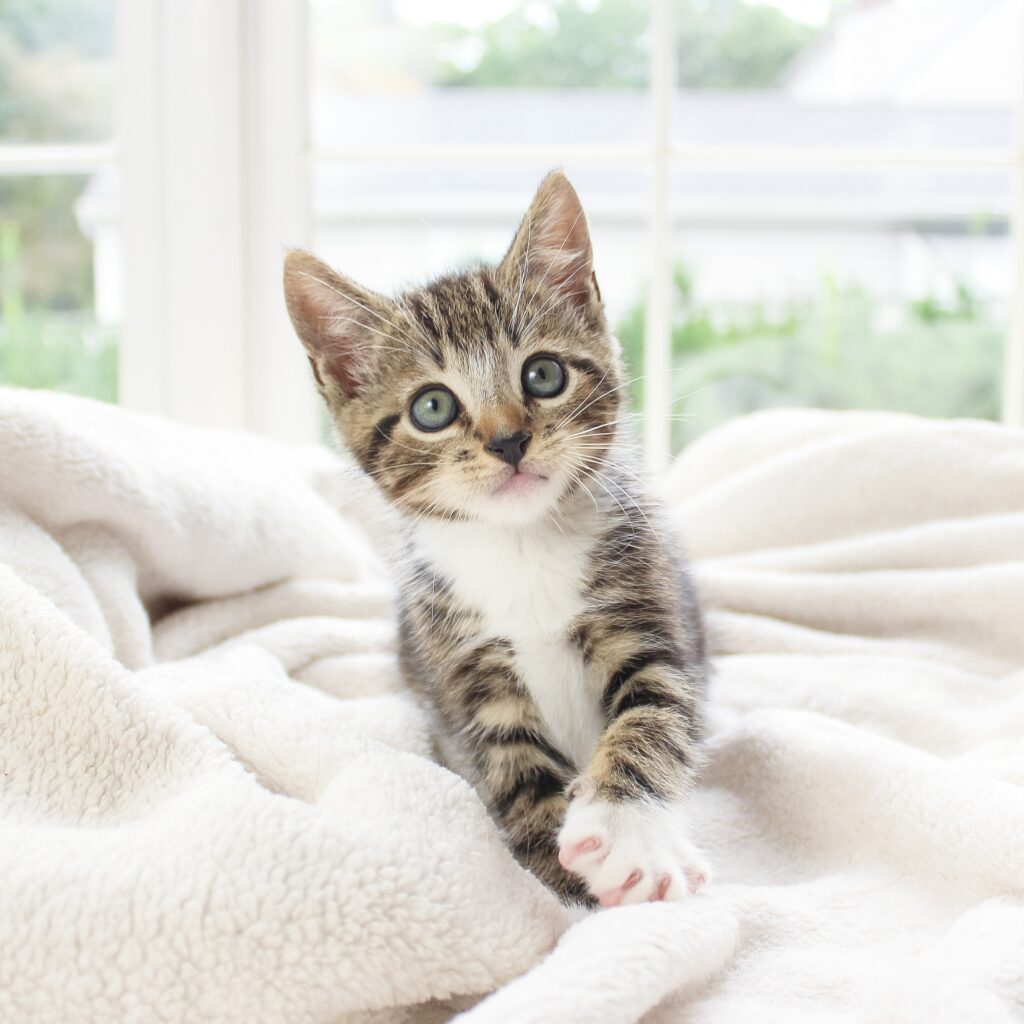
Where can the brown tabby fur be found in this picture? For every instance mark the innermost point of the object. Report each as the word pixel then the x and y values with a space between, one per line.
pixel 640 627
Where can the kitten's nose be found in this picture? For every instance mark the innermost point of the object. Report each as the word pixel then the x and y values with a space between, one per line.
pixel 509 449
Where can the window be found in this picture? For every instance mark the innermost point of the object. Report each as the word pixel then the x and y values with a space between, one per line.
pixel 792 201
pixel 59 267
pixel 787 207
pixel 841 231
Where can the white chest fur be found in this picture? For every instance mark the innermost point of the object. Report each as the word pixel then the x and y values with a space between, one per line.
pixel 526 582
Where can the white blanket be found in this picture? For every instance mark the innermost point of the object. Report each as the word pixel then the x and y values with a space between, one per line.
pixel 215 804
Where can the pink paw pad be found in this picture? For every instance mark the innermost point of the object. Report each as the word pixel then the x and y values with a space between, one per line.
pixel 695 879
pixel 568 854
pixel 614 897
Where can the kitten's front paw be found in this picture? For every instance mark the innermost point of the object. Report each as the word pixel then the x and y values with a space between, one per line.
pixel 630 852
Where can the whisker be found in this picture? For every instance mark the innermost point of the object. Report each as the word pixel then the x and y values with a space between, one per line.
pixel 522 276
pixel 565 419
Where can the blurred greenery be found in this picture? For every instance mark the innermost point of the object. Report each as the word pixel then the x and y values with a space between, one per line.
pixel 56 73
pixel 560 44
pixel 842 349
pixel 725 44
pixel 66 352
pixel 51 345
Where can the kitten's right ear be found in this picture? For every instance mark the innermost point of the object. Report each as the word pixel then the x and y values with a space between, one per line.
pixel 336 320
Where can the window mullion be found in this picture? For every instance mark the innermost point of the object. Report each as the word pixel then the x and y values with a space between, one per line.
pixel 658 322
pixel 1013 374
pixel 182 340
pixel 145 332
pixel 280 397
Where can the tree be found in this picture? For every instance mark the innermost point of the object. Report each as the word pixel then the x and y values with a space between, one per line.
pixel 723 44
pixel 56 71
pixel 729 44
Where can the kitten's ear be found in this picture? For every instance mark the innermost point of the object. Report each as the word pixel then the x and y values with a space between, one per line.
pixel 553 243
pixel 336 320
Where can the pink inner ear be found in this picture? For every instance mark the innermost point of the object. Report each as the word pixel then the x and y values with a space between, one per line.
pixel 565 245
pixel 552 245
pixel 339 361
pixel 330 322
pixel 569 270
pixel 562 253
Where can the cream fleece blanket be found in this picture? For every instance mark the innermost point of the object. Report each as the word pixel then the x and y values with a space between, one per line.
pixel 215 805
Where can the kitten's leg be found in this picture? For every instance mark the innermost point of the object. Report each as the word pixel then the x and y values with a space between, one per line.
pixel 522 777
pixel 530 820
pixel 625 831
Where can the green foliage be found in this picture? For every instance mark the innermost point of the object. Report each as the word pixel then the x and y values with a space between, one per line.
pixel 56 69
pixel 729 44
pixel 44 346
pixel 55 74
pixel 64 351
pixel 54 259
pixel 575 45
pixel 721 44
pixel 837 352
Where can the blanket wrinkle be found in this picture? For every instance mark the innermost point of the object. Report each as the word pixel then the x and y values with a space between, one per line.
pixel 218 804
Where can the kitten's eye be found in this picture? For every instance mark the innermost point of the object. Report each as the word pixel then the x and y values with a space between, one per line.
pixel 434 408
pixel 543 377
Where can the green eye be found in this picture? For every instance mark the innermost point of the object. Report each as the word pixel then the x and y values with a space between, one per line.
pixel 434 408
pixel 543 377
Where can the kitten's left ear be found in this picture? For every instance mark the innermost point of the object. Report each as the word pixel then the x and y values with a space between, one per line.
pixel 553 244
pixel 336 320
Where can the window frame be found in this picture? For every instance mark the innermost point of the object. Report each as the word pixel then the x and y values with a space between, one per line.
pixel 213 95
pixel 213 148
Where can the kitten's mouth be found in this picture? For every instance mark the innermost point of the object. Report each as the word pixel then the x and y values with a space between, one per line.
pixel 521 482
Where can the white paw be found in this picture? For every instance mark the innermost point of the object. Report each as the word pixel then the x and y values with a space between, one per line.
pixel 630 852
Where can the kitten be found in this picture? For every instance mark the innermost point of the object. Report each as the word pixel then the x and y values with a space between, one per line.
pixel 544 615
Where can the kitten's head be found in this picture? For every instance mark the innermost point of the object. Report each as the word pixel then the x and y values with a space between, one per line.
pixel 489 395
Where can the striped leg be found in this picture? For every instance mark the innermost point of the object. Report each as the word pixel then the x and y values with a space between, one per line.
pixel 625 832
pixel 522 776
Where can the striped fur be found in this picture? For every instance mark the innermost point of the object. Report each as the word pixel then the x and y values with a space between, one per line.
pixel 551 628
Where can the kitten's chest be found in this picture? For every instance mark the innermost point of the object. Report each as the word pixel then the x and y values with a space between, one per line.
pixel 527 587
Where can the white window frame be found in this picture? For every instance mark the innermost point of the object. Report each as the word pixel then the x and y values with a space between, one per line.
pixel 213 147
pixel 212 142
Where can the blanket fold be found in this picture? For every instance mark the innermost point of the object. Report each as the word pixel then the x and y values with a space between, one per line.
pixel 217 804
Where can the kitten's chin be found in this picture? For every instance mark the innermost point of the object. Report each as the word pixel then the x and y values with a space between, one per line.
pixel 520 498
pixel 520 485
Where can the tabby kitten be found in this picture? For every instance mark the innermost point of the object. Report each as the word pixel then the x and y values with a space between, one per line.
pixel 544 615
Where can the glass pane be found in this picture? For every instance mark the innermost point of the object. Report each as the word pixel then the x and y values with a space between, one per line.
pixel 901 75
pixel 59 284
pixel 56 70
pixel 881 289
pixel 396 224
pixel 478 71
